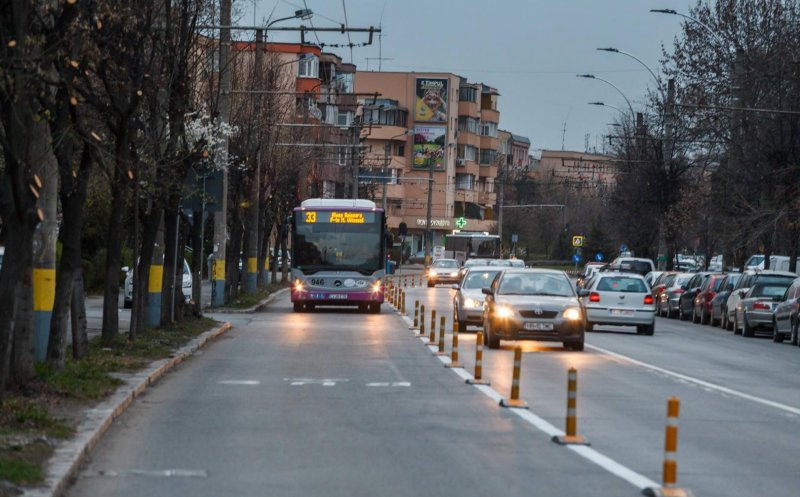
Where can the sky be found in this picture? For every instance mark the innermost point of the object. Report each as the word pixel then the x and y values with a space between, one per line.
pixel 530 50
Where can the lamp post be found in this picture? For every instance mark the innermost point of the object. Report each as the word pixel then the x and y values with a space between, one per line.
pixel 592 76
pixel 603 104
pixel 640 61
pixel 690 18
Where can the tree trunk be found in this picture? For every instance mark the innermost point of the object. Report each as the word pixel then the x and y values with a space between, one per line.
pixel 172 259
pixel 119 195
pixel 140 284
pixel 198 259
pixel 80 339
pixel 284 254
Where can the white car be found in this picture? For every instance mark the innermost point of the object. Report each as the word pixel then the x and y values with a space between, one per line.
pixel 748 279
pixel 468 300
pixel 619 299
pixel 128 289
pixel 443 271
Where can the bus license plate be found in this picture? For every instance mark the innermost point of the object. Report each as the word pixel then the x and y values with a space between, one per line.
pixel 621 312
pixel 337 296
pixel 539 326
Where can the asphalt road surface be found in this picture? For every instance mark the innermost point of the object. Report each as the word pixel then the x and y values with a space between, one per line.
pixel 338 403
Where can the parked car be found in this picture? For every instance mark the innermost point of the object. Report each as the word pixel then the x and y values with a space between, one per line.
pixel 652 276
pixel 533 304
pixel 690 291
pixel 442 271
pixel 186 285
pixel 468 300
pixel 785 319
pixel 701 312
pixel 632 264
pixel 589 270
pixel 715 264
pixel 620 299
pixel 719 311
pixel 668 302
pixel 754 310
pixel 748 279
pixel 660 285
pixel 471 263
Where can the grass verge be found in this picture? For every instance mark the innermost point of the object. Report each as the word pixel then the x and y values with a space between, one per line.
pixel 247 300
pixel 31 423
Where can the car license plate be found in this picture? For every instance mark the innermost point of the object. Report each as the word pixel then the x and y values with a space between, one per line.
pixel 621 312
pixel 539 326
pixel 337 296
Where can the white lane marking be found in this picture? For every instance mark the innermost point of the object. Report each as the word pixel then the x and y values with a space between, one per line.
pixel 697 381
pixel 389 384
pixel 325 382
pixel 160 473
pixel 238 382
pixel 605 462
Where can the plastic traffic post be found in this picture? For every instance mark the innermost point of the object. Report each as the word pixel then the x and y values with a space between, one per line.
pixel 454 352
pixel 440 351
pixel 432 338
pixel 514 400
pixel 571 437
pixel 669 486
pixel 415 326
pixel 403 302
pixel 478 380
pixel 422 319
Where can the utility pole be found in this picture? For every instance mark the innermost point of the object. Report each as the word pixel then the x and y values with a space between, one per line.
pixel 386 147
pixel 221 217
pixel 500 200
pixel 354 156
pixel 428 241
pixel 251 276
pixel 666 154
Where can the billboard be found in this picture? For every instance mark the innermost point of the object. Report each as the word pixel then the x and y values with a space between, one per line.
pixel 431 101
pixel 429 147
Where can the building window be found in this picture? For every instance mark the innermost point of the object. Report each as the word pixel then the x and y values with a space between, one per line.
pixel 344 118
pixel 401 151
pixel 387 117
pixel 331 114
pixel 489 129
pixel 345 82
pixel 468 94
pixel 308 66
pixel 468 125
pixel 487 156
pixel 392 180
pixel 465 181
pixel 467 152
pixel 489 185
pixel 328 189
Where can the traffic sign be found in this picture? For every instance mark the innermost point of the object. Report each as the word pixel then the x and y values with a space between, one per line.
pixel 460 223
pixel 514 238
pixel 577 240
pixel 599 257
pixel 623 248
pixel 576 258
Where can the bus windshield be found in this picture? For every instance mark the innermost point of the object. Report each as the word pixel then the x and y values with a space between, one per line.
pixel 325 241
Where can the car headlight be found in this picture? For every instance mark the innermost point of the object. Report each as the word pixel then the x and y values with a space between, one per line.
pixel 473 303
pixel 572 314
pixel 504 312
pixel 454 273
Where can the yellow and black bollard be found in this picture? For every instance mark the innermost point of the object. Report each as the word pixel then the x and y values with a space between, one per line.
pixel 478 379
pixel 454 352
pixel 669 486
pixel 440 351
pixel 432 338
pixel 422 320
pixel 571 436
pixel 416 314
pixel 514 401
pixel 403 302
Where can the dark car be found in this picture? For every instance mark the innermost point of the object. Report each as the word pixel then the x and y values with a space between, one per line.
pixel 719 309
pixel 690 291
pixel 702 301
pixel 667 304
pixel 660 285
pixel 785 319
pixel 533 304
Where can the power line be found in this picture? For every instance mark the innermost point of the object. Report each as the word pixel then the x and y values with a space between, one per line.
pixel 346 23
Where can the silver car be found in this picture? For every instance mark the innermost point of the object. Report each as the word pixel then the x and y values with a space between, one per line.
pixel 619 299
pixel 443 271
pixel 532 304
pixel 468 300
pixel 128 288
pixel 754 310
pixel 748 279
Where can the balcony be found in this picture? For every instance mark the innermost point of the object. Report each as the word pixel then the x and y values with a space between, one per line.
pixel 466 196
pixel 490 115
pixel 470 109
pixel 385 132
pixel 467 138
pixel 489 143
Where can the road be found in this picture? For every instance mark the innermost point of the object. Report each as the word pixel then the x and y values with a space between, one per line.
pixel 340 403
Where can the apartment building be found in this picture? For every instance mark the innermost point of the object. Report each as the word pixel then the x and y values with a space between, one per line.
pixel 423 126
pixel 586 171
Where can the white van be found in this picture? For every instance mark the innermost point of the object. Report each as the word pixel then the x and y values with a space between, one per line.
pixel 776 262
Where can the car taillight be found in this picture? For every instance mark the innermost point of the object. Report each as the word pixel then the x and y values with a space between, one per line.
pixel 648 300
pixel 594 297
pixel 762 306
pixel 679 291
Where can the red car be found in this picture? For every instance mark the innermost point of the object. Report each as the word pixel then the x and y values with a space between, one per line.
pixel 702 301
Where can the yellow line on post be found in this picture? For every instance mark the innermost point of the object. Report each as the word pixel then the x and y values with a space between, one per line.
pixel 571 436
pixel 478 379
pixel 669 486
pixel 514 401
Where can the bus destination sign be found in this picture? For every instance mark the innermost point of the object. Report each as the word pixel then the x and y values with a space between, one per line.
pixel 338 217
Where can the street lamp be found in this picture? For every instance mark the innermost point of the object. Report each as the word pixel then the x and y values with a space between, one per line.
pixel 602 104
pixel 640 61
pixel 592 76
pixel 690 18
pixel 304 14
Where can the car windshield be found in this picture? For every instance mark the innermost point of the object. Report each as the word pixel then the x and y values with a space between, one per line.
pixel 445 263
pixel 766 279
pixel 500 262
pixel 476 262
pixel 621 284
pixel 535 284
pixel 478 279
pixel 682 279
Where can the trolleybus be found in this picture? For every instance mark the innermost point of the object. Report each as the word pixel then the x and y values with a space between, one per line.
pixel 337 254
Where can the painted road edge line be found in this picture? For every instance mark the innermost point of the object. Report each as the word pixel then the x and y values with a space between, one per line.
pixel 67 458
pixel 592 455
pixel 697 381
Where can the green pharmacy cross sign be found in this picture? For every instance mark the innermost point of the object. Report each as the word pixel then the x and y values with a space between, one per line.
pixel 460 223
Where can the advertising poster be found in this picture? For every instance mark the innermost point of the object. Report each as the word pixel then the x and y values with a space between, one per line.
pixel 431 101
pixel 429 147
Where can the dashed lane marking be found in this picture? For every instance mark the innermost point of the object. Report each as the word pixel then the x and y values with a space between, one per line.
pixel 153 473
pixel 238 382
pixel 390 384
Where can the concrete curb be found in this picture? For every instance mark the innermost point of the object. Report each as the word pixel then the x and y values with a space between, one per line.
pixel 67 458
pixel 228 310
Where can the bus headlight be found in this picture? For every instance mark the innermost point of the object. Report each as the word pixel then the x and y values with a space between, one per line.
pixel 504 312
pixel 572 314
pixel 377 287
pixel 298 286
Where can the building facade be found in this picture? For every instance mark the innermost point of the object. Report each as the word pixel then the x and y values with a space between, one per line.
pixel 579 170
pixel 430 134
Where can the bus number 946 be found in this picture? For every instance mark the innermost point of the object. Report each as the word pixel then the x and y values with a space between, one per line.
pixel 317 281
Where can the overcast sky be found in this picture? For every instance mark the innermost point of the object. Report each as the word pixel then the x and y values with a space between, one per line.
pixel 530 50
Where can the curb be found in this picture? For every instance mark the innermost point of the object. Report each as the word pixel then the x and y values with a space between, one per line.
pixel 227 310
pixel 67 458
